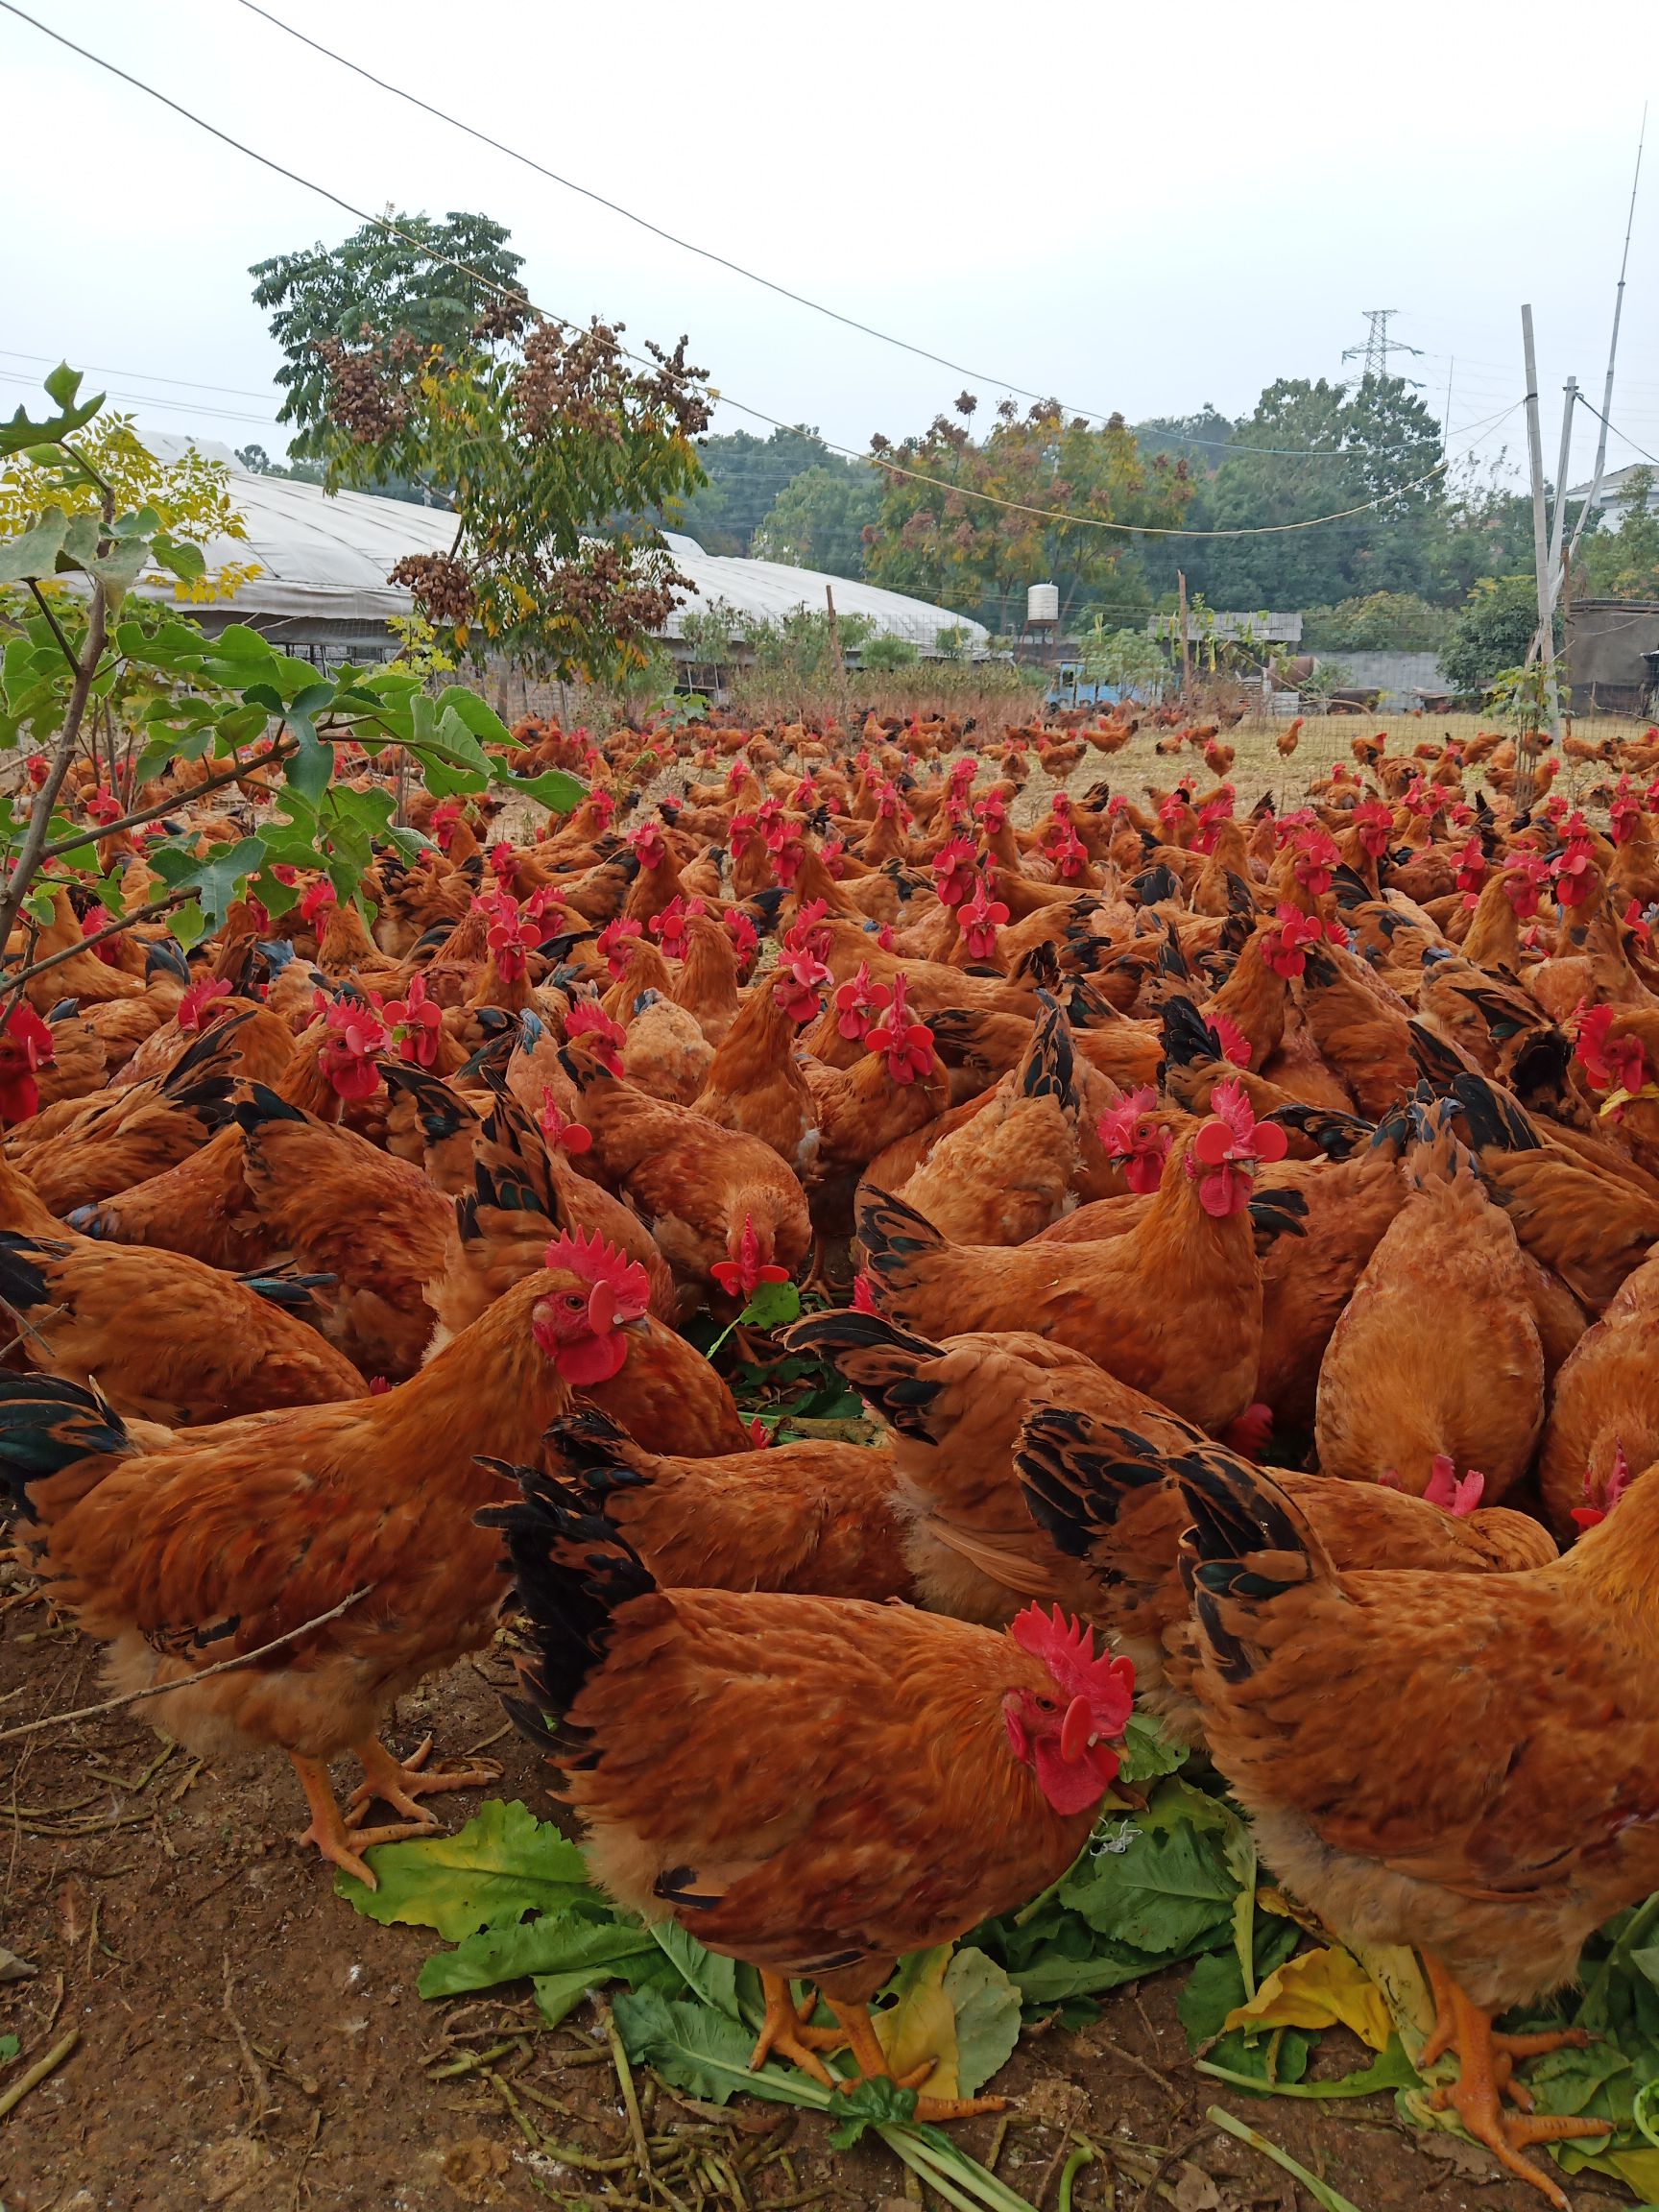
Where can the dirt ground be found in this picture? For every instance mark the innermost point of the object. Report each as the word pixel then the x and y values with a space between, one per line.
pixel 244 2039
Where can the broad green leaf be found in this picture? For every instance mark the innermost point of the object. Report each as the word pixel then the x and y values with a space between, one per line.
pixel 1148 1752
pixel 553 789
pixel 20 434
pixel 308 769
pixel 180 556
pixel 1168 1893
pixel 987 2009
pixel 694 2047
pixel 188 923
pixel 878 2104
pixel 40 906
pixel 36 552
pixel 560 1942
pixel 558 1995
pixel 216 877
pixel 706 1973
pixel 503 1865
pixel 475 714
pixel 772 1306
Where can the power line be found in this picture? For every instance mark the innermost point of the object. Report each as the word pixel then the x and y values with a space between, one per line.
pixel 151 399
pixel 759 415
pixel 707 254
pixel 1618 433
pixel 143 375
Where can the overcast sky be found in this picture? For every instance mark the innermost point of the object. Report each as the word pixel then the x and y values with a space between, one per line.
pixel 1141 209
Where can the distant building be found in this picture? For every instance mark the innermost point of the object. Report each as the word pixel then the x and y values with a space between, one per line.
pixel 324 557
pixel 1618 490
pixel 1612 648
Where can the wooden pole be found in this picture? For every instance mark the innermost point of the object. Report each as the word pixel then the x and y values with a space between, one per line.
pixel 1186 647
pixel 835 660
pixel 1540 530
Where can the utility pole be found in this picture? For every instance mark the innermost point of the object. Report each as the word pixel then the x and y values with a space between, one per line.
pixel 1590 504
pixel 1557 521
pixel 1378 345
pixel 1540 531
pixel 1186 646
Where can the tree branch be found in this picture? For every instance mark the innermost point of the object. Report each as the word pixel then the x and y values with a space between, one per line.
pixel 46 798
pixel 95 835
pixel 56 628
pixel 184 1681
pixel 85 944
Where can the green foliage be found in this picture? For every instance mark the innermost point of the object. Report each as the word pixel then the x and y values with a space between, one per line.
pixel 1623 563
pixel 819 518
pixel 375 285
pixel 1521 696
pixel 540 435
pixel 1127 658
pixel 163 691
pixel 1322 448
pixel 887 653
pixel 978 556
pixel 1382 622
pixel 743 478
pixel 504 1864
pixel 1493 631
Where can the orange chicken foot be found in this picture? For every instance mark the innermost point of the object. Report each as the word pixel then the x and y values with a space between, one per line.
pixel 1486 2065
pixel 784 2031
pixel 402 1782
pixel 343 1846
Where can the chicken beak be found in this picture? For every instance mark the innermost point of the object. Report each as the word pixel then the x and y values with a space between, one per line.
pixel 1077 1729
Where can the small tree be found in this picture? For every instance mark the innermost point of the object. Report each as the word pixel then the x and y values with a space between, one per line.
pixel 1494 631
pixel 543 438
pixel 77 647
pixel 1128 660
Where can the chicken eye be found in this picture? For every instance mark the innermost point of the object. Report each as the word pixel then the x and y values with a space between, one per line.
pixel 574 1301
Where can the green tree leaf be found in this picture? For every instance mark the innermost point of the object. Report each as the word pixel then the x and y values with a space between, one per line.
pixel 503 1865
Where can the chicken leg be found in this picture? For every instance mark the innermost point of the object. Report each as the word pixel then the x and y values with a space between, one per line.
pixel 1486 2065
pixel 341 1845
pixel 781 2032
pixel 400 1782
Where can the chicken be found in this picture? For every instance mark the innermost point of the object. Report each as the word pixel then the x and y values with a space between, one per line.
pixel 1574 1212
pixel 752 1085
pixel 932 1773
pixel 1460 1763
pixel 522 1188
pixel 82 1152
pixel 163 1337
pixel 1174 1307
pixel 200 1206
pixel 954 1410
pixel 814 1518
pixel 698 1188
pixel 182 1549
pixel 1437 1351
pixel 1009 1171
pixel 1604 1411
pixel 1110 1496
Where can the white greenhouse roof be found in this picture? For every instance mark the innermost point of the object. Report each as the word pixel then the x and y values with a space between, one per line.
pixel 328 554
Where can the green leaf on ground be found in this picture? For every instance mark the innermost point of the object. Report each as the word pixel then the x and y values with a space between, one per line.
pixel 503 1865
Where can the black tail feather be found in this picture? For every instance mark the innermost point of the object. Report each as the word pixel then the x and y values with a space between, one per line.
pixel 1492 1118
pixel 1077 1471
pixel 878 1359
pixel 1052 1064
pixel 572 1572
pixel 1276 1212
pixel 1337 1135
pixel 893 1235
pixel 23 1285
pixel 46 1424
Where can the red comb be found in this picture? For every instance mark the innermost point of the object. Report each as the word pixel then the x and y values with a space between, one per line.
pixel 1065 1646
pixel 592 1261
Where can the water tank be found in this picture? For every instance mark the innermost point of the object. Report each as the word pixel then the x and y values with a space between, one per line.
pixel 1041 604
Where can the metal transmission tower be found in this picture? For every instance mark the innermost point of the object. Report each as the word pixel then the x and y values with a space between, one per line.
pixel 1378 345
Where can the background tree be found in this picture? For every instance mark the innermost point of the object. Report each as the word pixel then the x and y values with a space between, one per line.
pixel 745 477
pixel 377 285
pixel 1622 564
pixel 933 540
pixel 1311 449
pixel 547 441
pixel 819 519
pixel 1493 632
pixel 1381 622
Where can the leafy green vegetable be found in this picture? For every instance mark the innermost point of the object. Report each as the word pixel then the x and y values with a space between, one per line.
pixel 567 1941
pixel 870 2104
pixel 987 2009
pixel 503 1865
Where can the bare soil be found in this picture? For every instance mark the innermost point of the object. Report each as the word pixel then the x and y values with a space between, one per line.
pixel 247 2040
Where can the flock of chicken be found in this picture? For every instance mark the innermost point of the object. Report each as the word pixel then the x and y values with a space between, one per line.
pixel 346 1267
